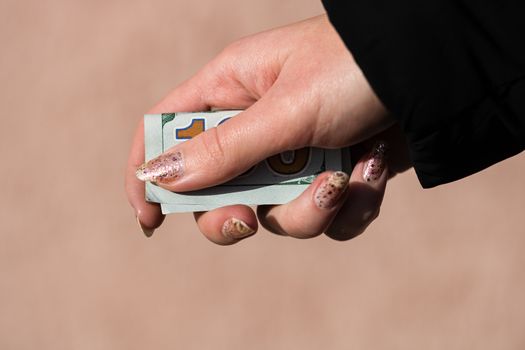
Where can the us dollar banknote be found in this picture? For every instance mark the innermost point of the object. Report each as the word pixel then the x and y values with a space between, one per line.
pixel 277 180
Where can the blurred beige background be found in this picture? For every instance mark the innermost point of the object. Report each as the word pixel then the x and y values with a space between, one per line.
pixel 440 269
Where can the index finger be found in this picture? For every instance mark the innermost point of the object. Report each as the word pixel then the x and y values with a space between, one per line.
pixel 186 97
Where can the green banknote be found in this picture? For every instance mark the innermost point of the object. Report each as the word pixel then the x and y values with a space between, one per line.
pixel 277 180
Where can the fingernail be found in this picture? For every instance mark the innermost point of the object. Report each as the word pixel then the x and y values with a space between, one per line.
pixel 165 168
pixel 237 229
pixel 148 232
pixel 329 192
pixel 375 164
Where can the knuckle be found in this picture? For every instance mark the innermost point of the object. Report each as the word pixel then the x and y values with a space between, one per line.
pixel 301 121
pixel 374 216
pixel 342 230
pixel 213 148
pixel 219 74
pixel 343 233
pixel 299 228
pixel 231 51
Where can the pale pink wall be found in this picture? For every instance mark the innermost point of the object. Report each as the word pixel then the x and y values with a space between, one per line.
pixel 440 269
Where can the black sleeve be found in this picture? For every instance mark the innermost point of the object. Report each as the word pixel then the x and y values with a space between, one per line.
pixel 451 72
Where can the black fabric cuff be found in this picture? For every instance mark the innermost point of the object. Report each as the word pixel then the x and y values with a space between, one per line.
pixel 452 73
pixel 479 137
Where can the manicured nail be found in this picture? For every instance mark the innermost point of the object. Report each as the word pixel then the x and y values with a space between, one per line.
pixel 165 168
pixel 148 232
pixel 330 191
pixel 375 165
pixel 237 229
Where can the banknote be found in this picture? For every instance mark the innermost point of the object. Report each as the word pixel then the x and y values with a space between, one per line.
pixel 277 180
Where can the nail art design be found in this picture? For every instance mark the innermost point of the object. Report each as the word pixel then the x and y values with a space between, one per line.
pixel 165 168
pixel 148 232
pixel 237 229
pixel 329 192
pixel 375 165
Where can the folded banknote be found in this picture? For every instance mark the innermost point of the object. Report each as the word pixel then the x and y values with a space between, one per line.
pixel 277 180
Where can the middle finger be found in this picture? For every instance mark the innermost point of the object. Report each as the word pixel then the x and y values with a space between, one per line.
pixel 309 214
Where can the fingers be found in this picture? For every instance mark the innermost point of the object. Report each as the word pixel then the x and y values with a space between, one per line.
pixel 149 217
pixel 398 150
pixel 339 205
pixel 203 91
pixel 187 97
pixel 221 153
pixel 365 195
pixel 227 225
pixel 352 204
pixel 310 214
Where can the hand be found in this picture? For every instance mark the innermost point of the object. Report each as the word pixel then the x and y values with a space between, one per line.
pixel 300 87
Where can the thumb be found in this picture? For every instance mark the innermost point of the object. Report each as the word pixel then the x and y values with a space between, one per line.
pixel 226 151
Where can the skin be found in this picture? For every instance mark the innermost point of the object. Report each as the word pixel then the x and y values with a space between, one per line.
pixel 299 86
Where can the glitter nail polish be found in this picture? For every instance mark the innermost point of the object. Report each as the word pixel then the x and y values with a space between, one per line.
pixel 165 168
pixel 329 192
pixel 237 229
pixel 374 167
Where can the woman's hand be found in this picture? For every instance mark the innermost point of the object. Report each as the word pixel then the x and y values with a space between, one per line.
pixel 299 87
